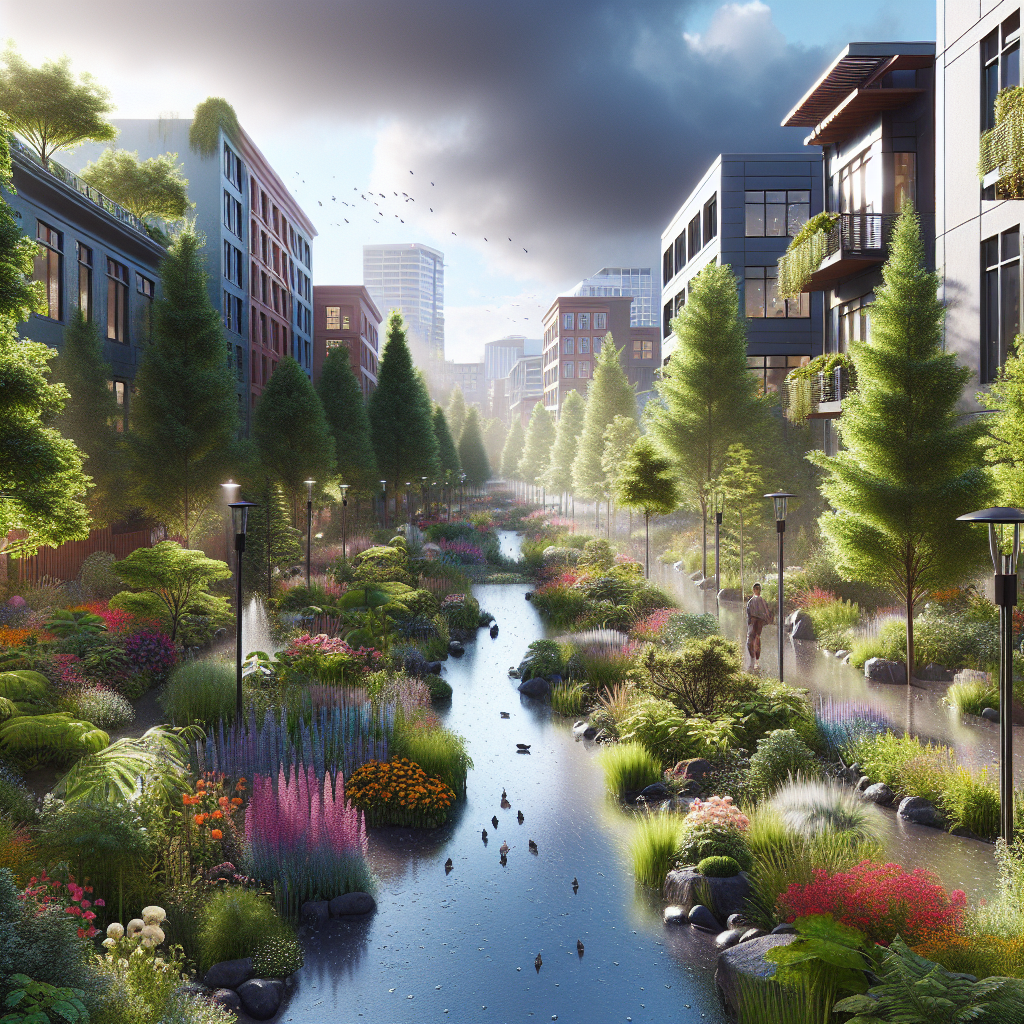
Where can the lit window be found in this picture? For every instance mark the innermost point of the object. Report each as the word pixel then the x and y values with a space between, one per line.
pixel 333 314
pixel 762 299
pixel 346 323
pixel 85 280
pixel 49 268
pixel 117 301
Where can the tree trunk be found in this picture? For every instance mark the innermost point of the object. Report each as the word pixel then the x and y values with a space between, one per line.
pixel 910 634
pixel 647 545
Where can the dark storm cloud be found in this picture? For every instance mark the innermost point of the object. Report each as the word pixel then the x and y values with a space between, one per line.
pixel 575 127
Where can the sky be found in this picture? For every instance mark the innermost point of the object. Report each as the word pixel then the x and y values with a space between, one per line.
pixel 532 141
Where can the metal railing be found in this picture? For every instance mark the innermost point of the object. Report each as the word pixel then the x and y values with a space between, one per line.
pixel 860 234
pixel 805 395
pixel 73 181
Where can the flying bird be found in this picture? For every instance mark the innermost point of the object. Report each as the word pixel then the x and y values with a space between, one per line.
pixel 520 817
pixel 526 250
pixel 431 209
pixel 318 203
pixel 346 220
pixel 538 963
pixel 494 821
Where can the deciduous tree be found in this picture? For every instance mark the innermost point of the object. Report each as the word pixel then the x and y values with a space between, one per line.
pixel 153 188
pixel 645 483
pixel 495 432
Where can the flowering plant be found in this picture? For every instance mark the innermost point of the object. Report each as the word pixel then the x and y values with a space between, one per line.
pixel 399 792
pixel 150 651
pixel 327 658
pixel 43 893
pixel 145 932
pixel 463 550
pixel 211 811
pixel 716 810
pixel 651 627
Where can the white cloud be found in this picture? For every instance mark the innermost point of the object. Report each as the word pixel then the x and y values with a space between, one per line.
pixel 742 32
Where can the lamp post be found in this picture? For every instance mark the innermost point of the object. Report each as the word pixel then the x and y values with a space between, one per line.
pixel 1005 569
pixel 408 500
pixel 230 494
pixel 384 503
pixel 344 522
pixel 780 498
pixel 239 520
pixel 718 501
pixel 309 527
pixel 432 486
pixel 423 486
pixel 462 491
pixel 448 489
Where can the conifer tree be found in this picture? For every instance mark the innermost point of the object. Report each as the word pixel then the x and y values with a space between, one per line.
pixel 646 483
pixel 911 463
pixel 447 453
pixel 742 485
pixel 540 437
pixel 401 416
pixel 456 413
pixel 1004 439
pixel 619 437
pixel 472 455
pixel 347 421
pixel 512 453
pixel 709 398
pixel 495 432
pixel 184 415
pixel 91 416
pixel 567 437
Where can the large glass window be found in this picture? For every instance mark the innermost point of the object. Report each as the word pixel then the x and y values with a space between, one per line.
pixel 711 219
pixel 146 289
pixel 904 180
pixel 855 321
pixel 1000 66
pixel 679 248
pixel 584 368
pixel 643 348
pixel 583 346
pixel 85 280
pixel 232 167
pixel 569 369
pixel 771 371
pixel 232 214
pixel 693 237
pixel 49 268
pixel 583 321
pixel 762 299
pixel 1000 314
pixel 121 390
pixel 776 214
pixel 567 321
pixel 600 323
pixel 117 301
pixel 333 314
pixel 568 346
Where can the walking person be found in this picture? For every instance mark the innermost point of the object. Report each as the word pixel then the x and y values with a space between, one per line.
pixel 758 615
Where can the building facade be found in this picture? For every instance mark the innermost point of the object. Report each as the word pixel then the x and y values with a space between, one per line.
pixel 616 281
pixel 524 388
pixel 93 255
pixel 346 316
pixel 743 213
pixel 500 356
pixel 469 377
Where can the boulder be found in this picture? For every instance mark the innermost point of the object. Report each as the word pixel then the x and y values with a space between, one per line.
pixel 555 680
pixel 352 903
pixel 700 917
pixel 879 670
pixel 228 998
pixel 800 625
pixel 751 933
pixel 936 673
pixel 696 576
pixel 744 960
pixel 990 714
pixel 228 973
pixel 730 594
pixel 736 921
pixel 415 664
pixel 879 794
pixel 315 913
pixel 727 895
pixel 728 938
pixel 696 768
pixel 841 653
pixel 261 997
pixel 920 811
pixel 708 584
pixel 433 668
pixel 455 648
pixel 655 792
pixel 675 915
pixel 514 673
pixel 784 929
pixel 584 730
pixel 535 687
pixel 863 783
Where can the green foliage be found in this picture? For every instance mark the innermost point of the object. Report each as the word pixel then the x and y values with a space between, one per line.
pixel 24 685
pixel 567 436
pixel 697 679
pixel 38 1002
pixel 512 453
pixel 271 541
pixel 567 699
pixel 719 867
pixel 702 839
pixel 97 575
pixel 200 693
pixel 666 732
pixel 972 802
pixel 645 482
pixel 598 554
pixel 278 957
pixel 814 807
pixel 1004 438
pixel 685 626
pixel 779 755
pixel 767 1002
pixel 439 752
pixel 1002 146
pixel 619 437
pixel 208 119
pixel 106 709
pixel 447 452
pixel 804 254
pixel 905 764
pixel 347 420
pixel 972 697
pixel 628 768
pixel 440 689
pixel 653 845
pixel 826 953
pixel 66 624
pixel 184 412
pixel 151 189
pixel 456 413
pixel 52 738
pixel 472 455
pixel 236 924
pixel 495 432
pixel 540 437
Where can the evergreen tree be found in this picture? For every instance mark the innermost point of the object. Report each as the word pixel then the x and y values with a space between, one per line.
pixel 456 413
pixel 619 437
pixel 472 454
pixel 540 437
pixel 1004 441
pixel 447 453
pixel 911 463
pixel 743 487
pixel 709 399
pixel 91 415
pixel 41 479
pixel 494 432
pixel 646 483
pixel 291 434
pixel 609 395
pixel 512 453
pixel 347 421
pixel 567 436
pixel 271 541
pixel 184 417
pixel 401 417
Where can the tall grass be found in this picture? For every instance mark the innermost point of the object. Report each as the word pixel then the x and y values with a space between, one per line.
pixel 816 806
pixel 972 802
pixel 603 669
pixel 654 846
pixel 439 752
pixel 628 767
pixel 770 1002
pixel 567 699
pixel 971 698
pixel 235 924
pixel 906 764
pixel 200 692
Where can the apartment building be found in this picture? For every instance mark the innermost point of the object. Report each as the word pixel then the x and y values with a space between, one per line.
pixel 469 377
pixel 743 213
pixel 635 281
pixel 346 316
pixel 501 355
pixel 524 388
pixel 92 255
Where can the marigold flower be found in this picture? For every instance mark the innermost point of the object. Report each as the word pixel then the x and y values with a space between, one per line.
pixel 216 833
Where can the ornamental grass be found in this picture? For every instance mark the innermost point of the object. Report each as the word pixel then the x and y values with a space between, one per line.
pixel 654 846
pixel 628 767
pixel 399 792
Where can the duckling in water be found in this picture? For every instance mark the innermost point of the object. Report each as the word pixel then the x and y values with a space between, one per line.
pixel 533 846
pixel 494 629
pixel 538 963
pixel 503 849
pixel 579 948
pixel 519 815
pixel 505 805
pixel 504 714
pixel 575 885
pixel 448 865
pixel 494 821
pixel 483 835
pixel 504 860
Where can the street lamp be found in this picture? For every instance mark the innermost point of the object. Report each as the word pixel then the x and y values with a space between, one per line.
pixel 408 501
pixel 780 498
pixel 462 491
pixel 432 486
pixel 384 502
pixel 230 493
pixel 423 485
pixel 344 522
pixel 309 526
pixel 718 503
pixel 239 520
pixel 1005 569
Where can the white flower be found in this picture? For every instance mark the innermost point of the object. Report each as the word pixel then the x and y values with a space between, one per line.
pixel 135 926
pixel 152 936
pixel 154 915
pixel 110 943
pixel 115 930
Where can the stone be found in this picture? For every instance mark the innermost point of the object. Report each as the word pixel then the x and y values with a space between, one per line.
pixel 228 973
pixel 352 903
pixel 841 653
pixel 433 668
pixel 528 595
pixel 415 664
pixel 261 997
pixel 194 988
pixel 879 794
pixel 727 895
pixel 584 730
pixel 879 670
pixel 846 660
pixel 920 811
pixel 751 933
pixel 736 921
pixel 863 783
pixel 744 960
pixel 315 912
pixel 228 998
pixel 800 625
pixel 784 929
pixel 700 917
pixel 728 938
pixel 555 680
pixel 990 714
pixel 708 584
pixel 696 768
pixel 535 687
pixel 730 594
pixel 675 915
pixel 456 649
pixel 655 792
pixel 936 673
pixel 696 576
pixel 514 673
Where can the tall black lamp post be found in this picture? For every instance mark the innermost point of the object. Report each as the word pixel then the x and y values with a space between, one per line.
pixel 1005 569
pixel 384 503
pixel 462 491
pixel 239 520
pixel 309 527
pixel 718 500
pixel 780 498
pixel 344 521
pixel 230 494
pixel 423 486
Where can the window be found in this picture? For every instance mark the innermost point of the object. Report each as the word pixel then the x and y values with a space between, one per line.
pixel 1000 66
pixel 233 264
pixel 583 346
pixel 146 289
pixel 239 363
pixel 679 246
pixel 776 214
pixel 263 328
pixel 232 214
pixel 904 180
pixel 761 295
pixel 567 321
pixel 600 323
pixel 228 311
pixel 264 376
pixel 232 167
pixel 254 372
pixel 583 321
pixel 856 187
pixel 680 301
pixel 711 219
pixel 346 324
pixel 854 320
pixel 117 301
pixel 643 348
pixel 569 369
pixel 693 234
pixel 263 288
pixel 666 266
pixel 49 268
pixel 584 368
pixel 1000 300
pixel 597 345
pixel 771 370
pixel 275 335
pixel 276 295
pixel 85 280
pixel 120 390
pixel 333 314
pixel 666 319
pixel 568 346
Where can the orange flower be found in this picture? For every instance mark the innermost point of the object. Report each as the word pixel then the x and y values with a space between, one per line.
pixel 217 814
pixel 200 818
pixel 223 801
pixel 216 833
pixel 237 801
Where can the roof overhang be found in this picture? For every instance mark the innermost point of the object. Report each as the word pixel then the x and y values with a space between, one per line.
pixel 859 108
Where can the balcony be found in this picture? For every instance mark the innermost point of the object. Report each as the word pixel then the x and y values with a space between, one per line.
pixel 1001 152
pixel 817 394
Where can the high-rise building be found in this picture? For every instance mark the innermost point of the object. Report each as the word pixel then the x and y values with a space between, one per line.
pixel 410 277
pixel 635 281
pixel 501 355
pixel 346 316
pixel 524 388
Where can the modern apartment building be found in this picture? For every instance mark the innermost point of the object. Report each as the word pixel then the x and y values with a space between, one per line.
pixel 977 222
pixel 501 355
pixel 346 316
pixel 93 255
pixel 470 378
pixel 743 213
pixel 574 330
pixel 410 277
pixel 635 281
pixel 257 245
pixel 524 388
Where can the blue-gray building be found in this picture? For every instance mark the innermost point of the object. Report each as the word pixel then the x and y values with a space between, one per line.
pixel 744 212
pixel 94 255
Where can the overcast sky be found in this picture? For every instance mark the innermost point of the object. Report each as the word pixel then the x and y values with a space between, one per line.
pixel 564 132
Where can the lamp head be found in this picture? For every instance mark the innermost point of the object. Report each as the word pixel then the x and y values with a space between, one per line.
pixel 240 515
pixel 780 499
pixel 1005 564
pixel 344 488
pixel 309 488
pixel 230 490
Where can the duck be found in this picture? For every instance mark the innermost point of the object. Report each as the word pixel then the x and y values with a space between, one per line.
pixel 483 835
pixel 538 963
pixel 505 714
pixel 494 820
pixel 494 630
pixel 504 860
pixel 503 849
pixel 505 805
pixel 523 746
pixel 533 846
pixel 575 885
pixel 448 865
pixel 519 815
pixel 579 948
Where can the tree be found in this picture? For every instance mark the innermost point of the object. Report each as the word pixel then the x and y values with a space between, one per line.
pixel 153 188
pixel 291 434
pixel 347 421
pixel 645 483
pixel 512 453
pixel 271 541
pixel 173 574
pixel 447 452
pixel 742 485
pixel 1004 440
pixel 49 108
pixel 619 437
pixel 709 399
pixel 911 462
pixel 567 436
pixel 91 416
pixel 185 413
pixel 472 455
pixel 494 432
pixel 608 396
pixel 540 437
pixel 42 483
pixel 456 413
pixel 401 420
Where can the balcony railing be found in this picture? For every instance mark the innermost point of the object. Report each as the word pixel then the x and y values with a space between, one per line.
pixel 819 396
pixel 73 181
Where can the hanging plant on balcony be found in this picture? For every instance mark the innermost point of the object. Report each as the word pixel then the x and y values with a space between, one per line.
pixel 209 117
pixel 804 255
pixel 1002 147
pixel 809 385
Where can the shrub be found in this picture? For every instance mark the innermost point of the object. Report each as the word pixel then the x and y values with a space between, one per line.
pixel 697 679
pixel 654 845
pixel 972 697
pixel 439 752
pixel 278 957
pixel 971 802
pixel 237 922
pixel 544 658
pixel 601 667
pixel 719 867
pixel 702 839
pixel 200 692
pixel 779 755
pixel 102 707
pixel 597 555
pixel 440 689
pixel 683 627
pixel 975 953
pixel 628 768
pixel 905 764
pixel 814 806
